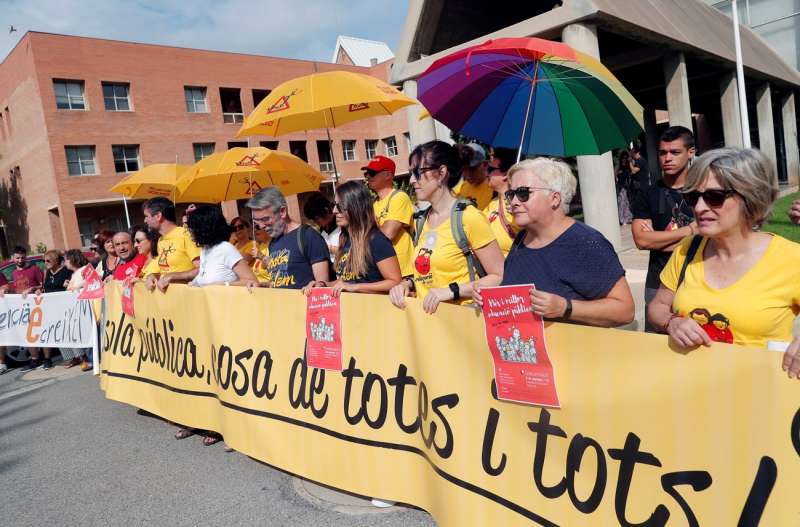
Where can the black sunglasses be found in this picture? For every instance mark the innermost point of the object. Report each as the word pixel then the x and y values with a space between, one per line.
pixel 369 174
pixel 522 193
pixel 239 227
pixel 714 197
pixel 491 169
pixel 417 172
pixel 93 249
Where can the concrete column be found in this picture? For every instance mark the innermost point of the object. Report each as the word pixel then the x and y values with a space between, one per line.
pixel 651 138
pixel 790 139
pixel 420 131
pixel 731 118
pixel 766 126
pixel 595 173
pixel 677 81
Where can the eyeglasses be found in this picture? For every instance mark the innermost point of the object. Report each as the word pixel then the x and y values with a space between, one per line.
pixel 93 249
pixel 491 169
pixel 713 197
pixel 137 241
pixel 369 174
pixel 522 193
pixel 416 173
pixel 239 227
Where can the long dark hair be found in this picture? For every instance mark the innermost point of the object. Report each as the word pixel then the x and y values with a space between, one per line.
pixel 151 235
pixel 208 226
pixel 354 200
pixel 436 154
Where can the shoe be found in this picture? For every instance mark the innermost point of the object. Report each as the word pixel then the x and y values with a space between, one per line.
pixel 4 369
pixel 32 365
pixel 381 504
pixel 86 366
pixel 47 364
pixel 75 361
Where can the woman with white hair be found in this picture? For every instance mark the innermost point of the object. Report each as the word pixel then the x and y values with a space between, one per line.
pixel 731 283
pixel 575 272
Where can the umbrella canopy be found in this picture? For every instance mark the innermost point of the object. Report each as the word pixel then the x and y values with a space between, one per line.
pixel 322 100
pixel 539 96
pixel 155 180
pixel 241 172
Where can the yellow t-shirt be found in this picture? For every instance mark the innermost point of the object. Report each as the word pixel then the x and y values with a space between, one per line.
pixel 759 307
pixel 247 248
pixel 399 208
pixel 262 274
pixel 176 251
pixel 150 268
pixel 500 233
pixel 439 262
pixel 482 193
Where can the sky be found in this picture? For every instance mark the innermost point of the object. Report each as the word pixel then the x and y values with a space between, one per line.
pixel 301 29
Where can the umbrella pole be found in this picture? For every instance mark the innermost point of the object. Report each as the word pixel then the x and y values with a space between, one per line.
pixel 528 109
pixel 333 159
pixel 127 215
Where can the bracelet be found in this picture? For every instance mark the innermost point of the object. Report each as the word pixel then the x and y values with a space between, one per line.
pixel 455 290
pixel 411 285
pixel 672 317
pixel 567 310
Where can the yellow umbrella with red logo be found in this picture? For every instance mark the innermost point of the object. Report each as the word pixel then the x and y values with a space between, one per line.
pixel 240 172
pixel 152 181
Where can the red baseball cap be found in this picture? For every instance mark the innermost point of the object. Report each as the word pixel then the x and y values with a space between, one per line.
pixel 379 164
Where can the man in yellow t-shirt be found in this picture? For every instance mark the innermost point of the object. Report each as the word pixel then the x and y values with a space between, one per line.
pixel 178 257
pixel 474 184
pixel 393 210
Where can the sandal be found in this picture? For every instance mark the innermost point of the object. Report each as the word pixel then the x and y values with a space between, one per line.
pixel 183 433
pixel 211 440
pixel 72 363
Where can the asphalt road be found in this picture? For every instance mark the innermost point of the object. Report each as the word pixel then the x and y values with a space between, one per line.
pixel 68 456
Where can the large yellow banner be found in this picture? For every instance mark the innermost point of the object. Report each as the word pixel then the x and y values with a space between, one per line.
pixel 645 436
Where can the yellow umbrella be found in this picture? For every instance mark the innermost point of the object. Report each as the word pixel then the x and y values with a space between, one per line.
pixel 424 114
pixel 323 100
pixel 241 172
pixel 152 181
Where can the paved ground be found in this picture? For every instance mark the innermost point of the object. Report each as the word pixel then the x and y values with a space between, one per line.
pixel 68 456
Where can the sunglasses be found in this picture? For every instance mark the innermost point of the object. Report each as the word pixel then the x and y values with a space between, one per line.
pixel 522 193
pixel 369 174
pixel 491 169
pixel 416 173
pixel 93 249
pixel 714 197
pixel 239 227
pixel 137 241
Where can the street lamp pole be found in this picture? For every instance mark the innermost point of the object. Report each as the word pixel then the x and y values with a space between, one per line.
pixel 744 119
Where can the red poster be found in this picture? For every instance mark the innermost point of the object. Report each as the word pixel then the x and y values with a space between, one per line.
pixel 127 296
pixel 323 330
pixel 93 287
pixel 515 334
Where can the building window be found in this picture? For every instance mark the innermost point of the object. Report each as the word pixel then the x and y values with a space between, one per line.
pixel 372 148
pixel 390 146
pixel 202 150
pixel 298 148
pixel 260 95
pixel 272 145
pixel 237 144
pixel 195 99
pixel 126 158
pixel 407 137
pixel 231 105
pixel 324 153
pixel 116 97
pixel 69 95
pixel 349 150
pixel 80 160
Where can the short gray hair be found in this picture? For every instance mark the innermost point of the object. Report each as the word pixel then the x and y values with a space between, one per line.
pixel 745 170
pixel 554 174
pixel 267 198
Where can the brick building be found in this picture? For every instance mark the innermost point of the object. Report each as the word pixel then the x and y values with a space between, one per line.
pixel 77 114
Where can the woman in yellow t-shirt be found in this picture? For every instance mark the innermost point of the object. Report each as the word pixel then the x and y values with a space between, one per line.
pixel 240 238
pixel 741 286
pixel 259 251
pixel 440 268
pixel 497 212
pixel 145 241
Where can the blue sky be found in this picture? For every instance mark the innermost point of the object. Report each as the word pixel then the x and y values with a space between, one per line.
pixel 302 29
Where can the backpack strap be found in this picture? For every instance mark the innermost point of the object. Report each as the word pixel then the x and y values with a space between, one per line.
pixel 460 236
pixel 419 223
pixel 301 242
pixel 389 202
pixel 690 254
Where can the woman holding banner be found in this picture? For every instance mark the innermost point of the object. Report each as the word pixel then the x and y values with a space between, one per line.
pixel 145 241
pixel 442 269
pixel 76 262
pixel 575 272
pixel 732 283
pixel 365 260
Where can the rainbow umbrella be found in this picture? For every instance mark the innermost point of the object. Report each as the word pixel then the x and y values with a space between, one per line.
pixel 539 96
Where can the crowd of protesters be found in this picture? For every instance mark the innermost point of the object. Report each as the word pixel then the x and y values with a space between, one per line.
pixel 485 221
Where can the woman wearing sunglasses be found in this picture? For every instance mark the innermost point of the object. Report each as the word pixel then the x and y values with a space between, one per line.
pixel 240 238
pixel 365 260
pixel 747 280
pixel 575 271
pixel 441 272
pixel 497 212
pixel 104 241
pixel 145 241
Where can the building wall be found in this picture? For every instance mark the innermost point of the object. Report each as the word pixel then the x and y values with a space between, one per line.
pixel 159 122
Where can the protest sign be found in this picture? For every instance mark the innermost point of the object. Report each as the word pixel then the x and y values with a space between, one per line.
pixel 50 320
pixel 323 330
pixel 127 296
pixel 93 284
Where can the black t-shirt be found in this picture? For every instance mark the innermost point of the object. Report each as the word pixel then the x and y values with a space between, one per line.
pixel 54 283
pixel 667 210
pixel 288 267
pixel 380 248
pixel 641 179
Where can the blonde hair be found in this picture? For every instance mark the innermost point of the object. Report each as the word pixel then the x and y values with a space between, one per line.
pixel 746 171
pixel 554 174
pixel 56 254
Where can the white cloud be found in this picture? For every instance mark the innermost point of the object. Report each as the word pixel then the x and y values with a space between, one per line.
pixel 304 29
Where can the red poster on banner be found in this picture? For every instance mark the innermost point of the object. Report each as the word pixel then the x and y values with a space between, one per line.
pixel 323 330
pixel 127 296
pixel 93 287
pixel 515 334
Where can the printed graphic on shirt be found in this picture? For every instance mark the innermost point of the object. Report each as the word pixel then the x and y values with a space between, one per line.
pixel 423 260
pixel 163 257
pixel 278 269
pixel 679 218
pixel 717 326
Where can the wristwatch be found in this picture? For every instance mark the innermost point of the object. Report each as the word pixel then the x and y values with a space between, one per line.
pixel 567 310
pixel 456 290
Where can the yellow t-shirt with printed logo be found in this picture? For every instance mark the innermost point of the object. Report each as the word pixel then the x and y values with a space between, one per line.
pixel 439 262
pixel 481 193
pixel 262 274
pixel 500 233
pixel 176 251
pixel 759 307
pixel 398 208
